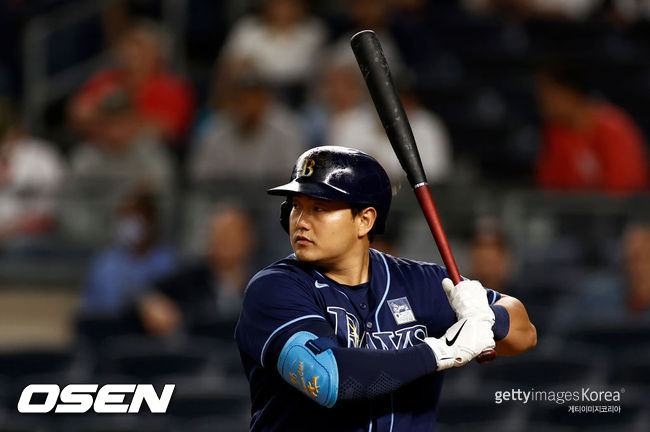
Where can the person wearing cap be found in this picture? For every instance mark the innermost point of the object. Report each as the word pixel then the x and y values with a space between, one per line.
pixel 341 337
pixel 165 101
pixel 125 155
pixel 249 136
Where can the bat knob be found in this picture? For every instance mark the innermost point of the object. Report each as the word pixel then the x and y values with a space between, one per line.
pixel 486 356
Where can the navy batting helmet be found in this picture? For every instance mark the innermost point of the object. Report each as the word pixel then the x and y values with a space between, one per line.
pixel 339 174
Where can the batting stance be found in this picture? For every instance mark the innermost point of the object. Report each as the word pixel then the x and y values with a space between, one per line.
pixel 341 337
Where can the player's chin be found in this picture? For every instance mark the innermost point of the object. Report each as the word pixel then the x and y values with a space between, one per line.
pixel 305 253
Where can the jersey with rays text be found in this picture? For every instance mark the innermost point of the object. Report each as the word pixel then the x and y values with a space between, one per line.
pixel 402 304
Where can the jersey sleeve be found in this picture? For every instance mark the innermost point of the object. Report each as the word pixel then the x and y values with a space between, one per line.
pixel 276 303
pixel 492 295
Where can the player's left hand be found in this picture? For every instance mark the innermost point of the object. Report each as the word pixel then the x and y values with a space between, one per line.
pixel 469 300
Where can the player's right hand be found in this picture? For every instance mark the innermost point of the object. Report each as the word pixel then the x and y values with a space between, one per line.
pixel 461 343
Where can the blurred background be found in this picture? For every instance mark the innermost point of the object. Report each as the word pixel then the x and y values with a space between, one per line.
pixel 138 137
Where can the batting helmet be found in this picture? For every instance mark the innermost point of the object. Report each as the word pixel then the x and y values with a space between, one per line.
pixel 338 174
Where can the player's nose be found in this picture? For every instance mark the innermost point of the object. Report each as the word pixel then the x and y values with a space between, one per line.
pixel 301 220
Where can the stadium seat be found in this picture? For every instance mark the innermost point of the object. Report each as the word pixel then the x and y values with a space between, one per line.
pixel 96 330
pixel 16 364
pixel 220 403
pixel 630 367
pixel 536 369
pixel 227 358
pixel 533 427
pixel 146 359
pixel 92 333
pixel 223 330
pixel 477 427
pixel 613 336
pixel 16 422
pixel 454 413
pixel 207 397
pixel 117 423
pixel 582 38
pixel 219 424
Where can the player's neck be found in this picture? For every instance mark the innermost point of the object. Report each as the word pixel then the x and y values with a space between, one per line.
pixel 352 270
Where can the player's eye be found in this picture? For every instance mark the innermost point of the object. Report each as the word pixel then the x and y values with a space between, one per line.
pixel 318 209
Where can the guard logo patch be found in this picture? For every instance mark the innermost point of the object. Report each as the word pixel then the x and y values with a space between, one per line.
pixel 401 310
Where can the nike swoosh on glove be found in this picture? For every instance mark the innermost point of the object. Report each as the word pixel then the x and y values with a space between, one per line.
pixel 461 343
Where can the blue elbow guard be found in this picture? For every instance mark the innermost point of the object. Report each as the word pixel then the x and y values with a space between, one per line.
pixel 312 371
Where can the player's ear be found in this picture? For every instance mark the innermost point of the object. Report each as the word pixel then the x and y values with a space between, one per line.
pixel 366 220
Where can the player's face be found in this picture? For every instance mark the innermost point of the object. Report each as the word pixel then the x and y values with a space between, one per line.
pixel 323 232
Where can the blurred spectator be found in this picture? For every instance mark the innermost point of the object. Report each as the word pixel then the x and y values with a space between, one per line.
pixel 31 173
pixel 283 43
pixel 636 265
pixel 558 9
pixel 346 119
pixel 135 260
pixel 490 261
pixel 211 289
pixel 414 24
pixel 373 15
pixel 123 153
pixel 164 101
pixel 369 14
pixel 587 144
pixel 630 11
pixel 621 295
pixel 338 96
pixel 253 137
pixel 430 134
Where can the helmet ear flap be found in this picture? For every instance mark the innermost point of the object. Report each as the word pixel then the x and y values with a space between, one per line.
pixel 285 212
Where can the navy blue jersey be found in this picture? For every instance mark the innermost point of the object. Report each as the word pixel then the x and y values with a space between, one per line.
pixel 401 305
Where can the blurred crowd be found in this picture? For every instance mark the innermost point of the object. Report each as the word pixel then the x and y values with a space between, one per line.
pixel 546 96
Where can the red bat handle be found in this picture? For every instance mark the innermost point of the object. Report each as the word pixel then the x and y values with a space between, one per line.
pixel 423 194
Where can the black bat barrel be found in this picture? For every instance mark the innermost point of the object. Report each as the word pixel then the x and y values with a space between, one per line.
pixel 375 70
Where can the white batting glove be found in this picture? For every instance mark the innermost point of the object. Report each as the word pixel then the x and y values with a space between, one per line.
pixel 469 300
pixel 461 343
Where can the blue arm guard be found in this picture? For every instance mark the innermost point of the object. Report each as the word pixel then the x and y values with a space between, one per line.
pixel 308 368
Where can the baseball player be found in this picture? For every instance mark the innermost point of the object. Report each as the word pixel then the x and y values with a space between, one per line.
pixel 341 337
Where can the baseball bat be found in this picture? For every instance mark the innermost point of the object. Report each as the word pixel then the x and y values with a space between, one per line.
pixel 376 73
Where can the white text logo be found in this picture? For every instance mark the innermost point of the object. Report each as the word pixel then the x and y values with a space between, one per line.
pixel 80 398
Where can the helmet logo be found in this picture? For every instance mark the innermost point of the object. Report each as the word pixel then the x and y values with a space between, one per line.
pixel 307 168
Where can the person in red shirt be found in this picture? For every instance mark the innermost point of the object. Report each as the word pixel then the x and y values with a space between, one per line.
pixel 163 100
pixel 587 144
